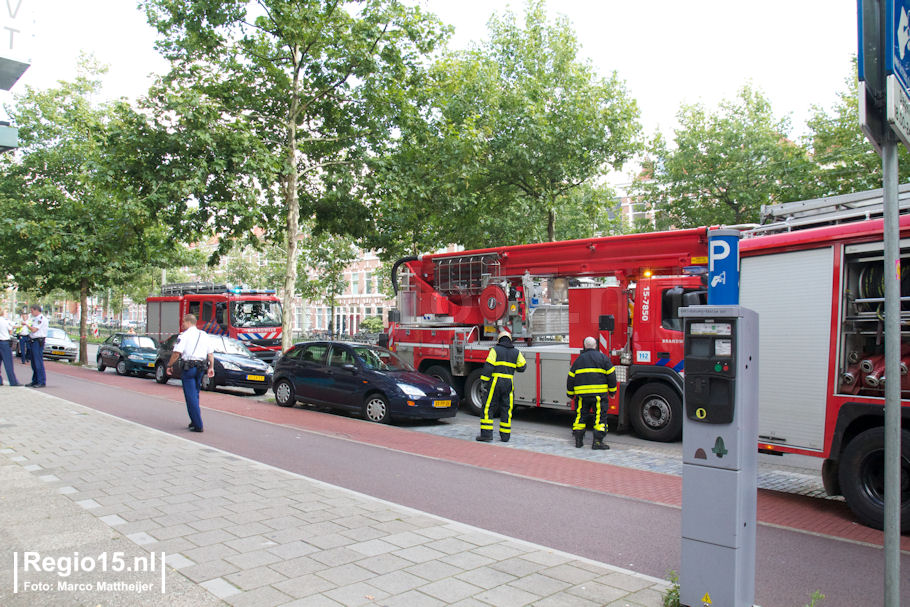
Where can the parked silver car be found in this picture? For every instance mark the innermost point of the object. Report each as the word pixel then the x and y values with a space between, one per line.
pixel 58 345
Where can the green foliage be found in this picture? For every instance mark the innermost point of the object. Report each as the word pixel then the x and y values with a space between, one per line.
pixel 845 160
pixel 671 596
pixel 724 166
pixel 323 260
pixel 817 597
pixel 372 324
pixel 498 141
pixel 271 109
pixel 64 221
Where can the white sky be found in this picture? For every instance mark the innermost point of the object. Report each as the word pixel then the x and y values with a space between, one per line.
pixel 669 52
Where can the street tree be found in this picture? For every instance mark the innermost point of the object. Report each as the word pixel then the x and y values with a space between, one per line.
pixel 845 160
pixel 724 165
pixel 324 258
pixel 271 107
pixel 63 222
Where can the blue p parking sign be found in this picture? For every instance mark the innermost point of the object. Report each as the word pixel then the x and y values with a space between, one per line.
pixel 723 267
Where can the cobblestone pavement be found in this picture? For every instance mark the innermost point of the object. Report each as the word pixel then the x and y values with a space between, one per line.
pixel 243 533
pixel 656 457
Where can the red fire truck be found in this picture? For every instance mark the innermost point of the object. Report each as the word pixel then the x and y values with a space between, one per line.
pixel 252 316
pixel 625 290
pixel 813 272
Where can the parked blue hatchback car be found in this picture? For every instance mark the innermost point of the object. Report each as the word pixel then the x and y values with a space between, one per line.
pixel 361 378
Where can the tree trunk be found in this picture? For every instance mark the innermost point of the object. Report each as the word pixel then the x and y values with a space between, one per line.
pixel 332 321
pixel 83 322
pixel 551 225
pixel 293 219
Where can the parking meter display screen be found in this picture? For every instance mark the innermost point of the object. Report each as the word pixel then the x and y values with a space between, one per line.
pixel 700 347
pixel 722 329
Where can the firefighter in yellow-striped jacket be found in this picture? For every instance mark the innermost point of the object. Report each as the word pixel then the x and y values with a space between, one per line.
pixel 502 362
pixel 591 381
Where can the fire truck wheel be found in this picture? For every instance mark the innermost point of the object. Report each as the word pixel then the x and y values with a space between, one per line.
pixel 656 413
pixel 284 394
pixel 101 366
pixel 862 477
pixel 443 374
pixel 376 408
pixel 473 400
pixel 161 374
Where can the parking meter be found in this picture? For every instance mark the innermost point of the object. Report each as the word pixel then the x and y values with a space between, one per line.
pixel 720 436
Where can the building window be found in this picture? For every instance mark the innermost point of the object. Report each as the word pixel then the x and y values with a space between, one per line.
pixel 320 318
pixel 298 318
pixel 379 314
pixel 368 283
pixel 355 283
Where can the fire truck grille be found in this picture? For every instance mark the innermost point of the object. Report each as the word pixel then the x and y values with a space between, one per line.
pixel 263 342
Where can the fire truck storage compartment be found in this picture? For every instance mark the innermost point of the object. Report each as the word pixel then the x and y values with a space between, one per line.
pixel 860 358
pixel 587 305
pixel 163 318
pixel 554 366
pixel 792 293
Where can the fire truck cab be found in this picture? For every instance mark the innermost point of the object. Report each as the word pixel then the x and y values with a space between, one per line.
pixel 625 291
pixel 251 316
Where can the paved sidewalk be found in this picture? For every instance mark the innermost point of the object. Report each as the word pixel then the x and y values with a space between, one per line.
pixel 243 533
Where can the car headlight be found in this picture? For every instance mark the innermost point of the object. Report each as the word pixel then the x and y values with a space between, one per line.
pixel 412 391
pixel 453 391
pixel 269 370
pixel 229 366
pixel 137 357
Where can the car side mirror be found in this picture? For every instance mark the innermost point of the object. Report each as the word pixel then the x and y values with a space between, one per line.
pixel 350 367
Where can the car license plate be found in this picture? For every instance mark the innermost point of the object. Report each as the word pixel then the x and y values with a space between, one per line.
pixel 442 404
pixel 255 377
pixel 150 365
pixel 58 352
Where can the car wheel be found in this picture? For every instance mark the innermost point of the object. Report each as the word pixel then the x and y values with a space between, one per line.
pixel 260 391
pixel 101 366
pixel 862 477
pixel 208 383
pixel 656 413
pixel 284 393
pixel 376 408
pixel 473 399
pixel 121 367
pixel 161 374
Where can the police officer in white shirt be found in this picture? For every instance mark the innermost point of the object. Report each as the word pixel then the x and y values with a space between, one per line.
pixel 38 330
pixel 6 353
pixel 196 352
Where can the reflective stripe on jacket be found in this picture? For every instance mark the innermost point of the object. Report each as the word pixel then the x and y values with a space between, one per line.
pixel 502 362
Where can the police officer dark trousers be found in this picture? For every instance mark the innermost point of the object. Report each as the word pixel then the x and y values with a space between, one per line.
pixel 592 381
pixel 502 362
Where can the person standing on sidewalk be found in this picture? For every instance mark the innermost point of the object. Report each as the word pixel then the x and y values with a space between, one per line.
pixel 24 339
pixel 502 362
pixel 6 353
pixel 592 381
pixel 197 356
pixel 38 330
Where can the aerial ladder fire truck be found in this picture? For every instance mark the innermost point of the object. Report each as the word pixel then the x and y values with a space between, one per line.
pixel 625 291
pixel 813 271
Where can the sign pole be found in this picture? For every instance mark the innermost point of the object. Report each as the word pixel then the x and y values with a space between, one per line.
pixel 892 370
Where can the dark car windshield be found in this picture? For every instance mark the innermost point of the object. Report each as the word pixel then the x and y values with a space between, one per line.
pixel 139 341
pixel 229 345
pixel 379 359
pixel 247 314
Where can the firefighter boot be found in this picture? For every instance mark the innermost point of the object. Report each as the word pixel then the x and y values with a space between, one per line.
pixel 599 445
pixel 579 438
pixel 504 436
pixel 485 436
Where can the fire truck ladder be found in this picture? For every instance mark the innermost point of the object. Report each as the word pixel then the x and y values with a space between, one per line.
pixel 185 288
pixel 818 212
